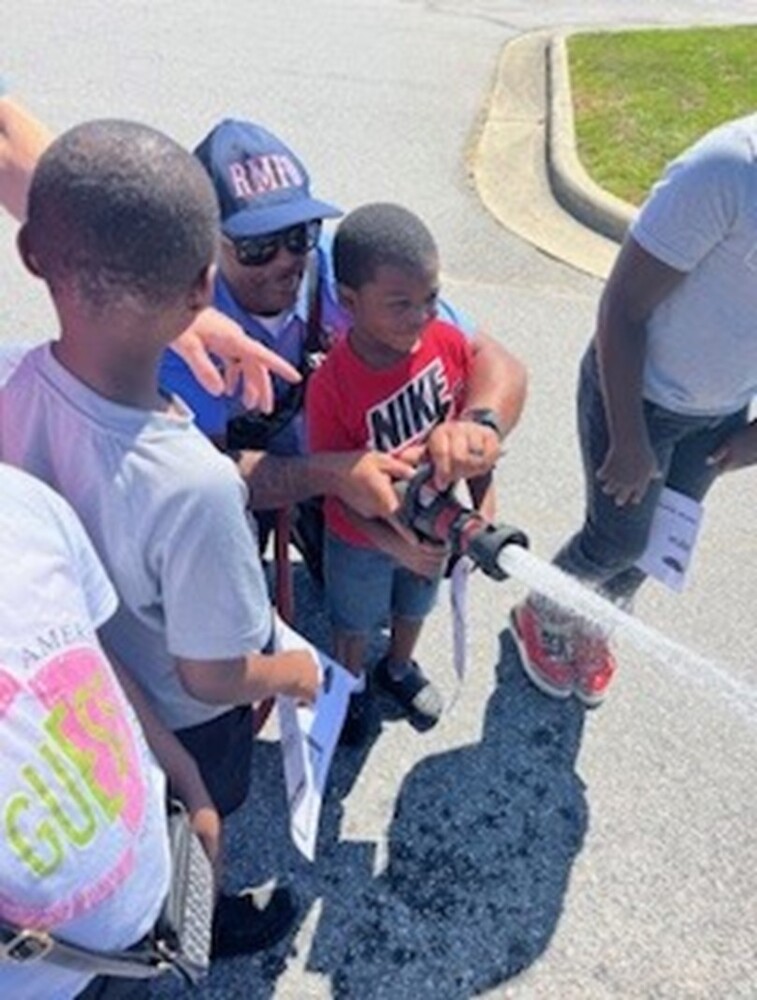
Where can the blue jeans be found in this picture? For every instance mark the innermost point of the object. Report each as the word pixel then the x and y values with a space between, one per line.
pixel 365 588
pixel 604 551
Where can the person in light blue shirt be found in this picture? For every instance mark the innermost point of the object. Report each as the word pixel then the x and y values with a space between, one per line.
pixel 665 390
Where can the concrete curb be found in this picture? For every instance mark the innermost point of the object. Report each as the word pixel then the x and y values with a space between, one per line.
pixel 572 186
pixel 509 162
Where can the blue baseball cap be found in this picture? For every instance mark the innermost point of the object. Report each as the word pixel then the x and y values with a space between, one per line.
pixel 261 185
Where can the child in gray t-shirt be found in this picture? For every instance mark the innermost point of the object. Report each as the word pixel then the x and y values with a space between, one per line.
pixel 122 228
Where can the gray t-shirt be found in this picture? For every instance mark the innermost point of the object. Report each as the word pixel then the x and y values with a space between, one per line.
pixel 701 219
pixel 167 515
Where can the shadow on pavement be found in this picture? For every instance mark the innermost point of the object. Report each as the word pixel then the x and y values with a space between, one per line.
pixel 480 851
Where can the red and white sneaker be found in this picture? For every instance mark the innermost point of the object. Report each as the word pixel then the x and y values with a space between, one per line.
pixel 546 651
pixel 595 667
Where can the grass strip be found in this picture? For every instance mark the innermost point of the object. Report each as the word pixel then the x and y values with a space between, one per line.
pixel 640 97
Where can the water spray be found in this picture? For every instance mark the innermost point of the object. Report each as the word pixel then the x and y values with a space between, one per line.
pixel 501 551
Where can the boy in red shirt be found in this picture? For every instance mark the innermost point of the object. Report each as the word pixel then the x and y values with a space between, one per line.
pixel 385 386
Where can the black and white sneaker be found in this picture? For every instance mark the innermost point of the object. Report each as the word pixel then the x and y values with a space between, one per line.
pixel 413 690
pixel 255 919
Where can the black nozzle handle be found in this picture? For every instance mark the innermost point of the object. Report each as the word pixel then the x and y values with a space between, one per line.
pixel 485 545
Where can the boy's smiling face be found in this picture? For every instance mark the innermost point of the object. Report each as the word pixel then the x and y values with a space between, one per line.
pixel 390 311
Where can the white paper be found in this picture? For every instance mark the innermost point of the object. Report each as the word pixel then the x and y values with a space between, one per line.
pixel 459 602
pixel 309 735
pixel 672 538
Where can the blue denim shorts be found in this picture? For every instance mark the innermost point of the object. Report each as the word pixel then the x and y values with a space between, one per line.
pixel 365 588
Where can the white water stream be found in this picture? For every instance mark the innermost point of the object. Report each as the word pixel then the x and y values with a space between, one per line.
pixel 566 591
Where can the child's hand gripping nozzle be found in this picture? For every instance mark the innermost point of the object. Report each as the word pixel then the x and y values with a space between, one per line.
pixel 437 516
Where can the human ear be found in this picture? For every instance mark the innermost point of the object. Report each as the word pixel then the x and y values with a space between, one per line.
pixel 201 292
pixel 23 245
pixel 347 297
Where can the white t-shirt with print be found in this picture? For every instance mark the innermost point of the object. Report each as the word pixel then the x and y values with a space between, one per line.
pixel 83 848
pixel 701 219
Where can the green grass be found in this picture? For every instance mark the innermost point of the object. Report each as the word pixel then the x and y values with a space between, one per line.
pixel 640 97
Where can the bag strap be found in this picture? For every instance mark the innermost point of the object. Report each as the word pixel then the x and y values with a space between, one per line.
pixel 27 946
pixel 314 346
pixel 314 337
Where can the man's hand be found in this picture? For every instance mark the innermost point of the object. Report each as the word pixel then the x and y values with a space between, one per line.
pixel 738 451
pixel 457 449
pixel 627 472
pixel 242 357
pixel 23 139
pixel 364 480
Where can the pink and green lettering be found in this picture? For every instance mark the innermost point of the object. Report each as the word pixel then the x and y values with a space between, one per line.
pixel 87 724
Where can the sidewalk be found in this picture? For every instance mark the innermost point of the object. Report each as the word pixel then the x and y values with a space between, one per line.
pixel 526 168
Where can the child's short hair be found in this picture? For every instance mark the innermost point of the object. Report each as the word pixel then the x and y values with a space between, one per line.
pixel 380 234
pixel 119 209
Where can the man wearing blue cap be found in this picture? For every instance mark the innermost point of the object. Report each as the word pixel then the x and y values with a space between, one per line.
pixel 275 279
pixel 269 222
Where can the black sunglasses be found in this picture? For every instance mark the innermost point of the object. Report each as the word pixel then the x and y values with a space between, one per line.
pixel 254 251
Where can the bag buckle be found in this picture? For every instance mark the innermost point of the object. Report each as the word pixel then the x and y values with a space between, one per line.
pixel 27 946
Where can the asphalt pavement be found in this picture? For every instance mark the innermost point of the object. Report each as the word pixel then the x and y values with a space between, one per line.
pixel 523 848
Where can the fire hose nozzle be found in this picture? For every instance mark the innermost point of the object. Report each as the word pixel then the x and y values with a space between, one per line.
pixel 439 517
pixel 485 542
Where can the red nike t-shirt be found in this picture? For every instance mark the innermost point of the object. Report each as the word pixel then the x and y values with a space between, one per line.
pixel 350 406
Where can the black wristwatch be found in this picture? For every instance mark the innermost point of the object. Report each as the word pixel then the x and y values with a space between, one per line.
pixel 485 417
